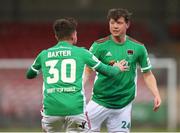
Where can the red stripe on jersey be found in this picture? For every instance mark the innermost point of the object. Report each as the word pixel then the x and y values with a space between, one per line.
pixel 134 40
pixel 103 39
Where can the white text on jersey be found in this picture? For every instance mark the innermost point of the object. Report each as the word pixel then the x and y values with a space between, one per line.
pixel 59 53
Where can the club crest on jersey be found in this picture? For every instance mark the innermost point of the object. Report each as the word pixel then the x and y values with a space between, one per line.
pixel 130 52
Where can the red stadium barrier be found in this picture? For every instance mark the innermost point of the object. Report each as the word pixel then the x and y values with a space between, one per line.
pixel 26 40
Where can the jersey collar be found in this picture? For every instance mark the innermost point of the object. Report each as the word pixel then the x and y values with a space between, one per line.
pixel 63 43
pixel 119 44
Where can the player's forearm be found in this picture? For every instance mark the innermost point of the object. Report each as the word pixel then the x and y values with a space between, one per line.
pixel 30 74
pixel 88 72
pixel 151 83
pixel 108 70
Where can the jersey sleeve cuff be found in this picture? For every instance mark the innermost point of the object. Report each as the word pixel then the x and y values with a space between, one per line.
pixel 35 70
pixel 146 69
pixel 94 67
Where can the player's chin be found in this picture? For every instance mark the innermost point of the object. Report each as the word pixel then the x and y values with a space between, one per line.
pixel 116 34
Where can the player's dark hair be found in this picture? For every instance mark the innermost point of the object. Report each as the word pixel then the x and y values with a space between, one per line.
pixel 63 28
pixel 117 13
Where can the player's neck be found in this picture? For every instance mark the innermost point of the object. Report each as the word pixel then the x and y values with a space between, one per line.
pixel 67 40
pixel 119 39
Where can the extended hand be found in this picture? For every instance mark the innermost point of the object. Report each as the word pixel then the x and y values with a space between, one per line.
pixel 157 103
pixel 122 65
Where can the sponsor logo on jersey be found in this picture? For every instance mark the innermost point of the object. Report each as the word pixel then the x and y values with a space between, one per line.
pixel 108 54
pixel 111 63
pixel 60 90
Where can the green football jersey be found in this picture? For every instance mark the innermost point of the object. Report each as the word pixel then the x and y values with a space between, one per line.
pixel 119 91
pixel 62 68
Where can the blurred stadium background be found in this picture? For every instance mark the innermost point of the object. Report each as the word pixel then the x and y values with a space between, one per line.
pixel 26 29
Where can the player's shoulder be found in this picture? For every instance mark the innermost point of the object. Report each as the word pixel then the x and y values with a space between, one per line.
pixel 50 48
pixel 102 40
pixel 79 49
pixel 44 51
pixel 136 44
pixel 134 41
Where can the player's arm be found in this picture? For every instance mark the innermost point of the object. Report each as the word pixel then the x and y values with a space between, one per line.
pixel 34 69
pixel 31 73
pixel 121 65
pixel 148 76
pixel 152 85
pixel 100 67
pixel 107 70
pixel 88 73
pixel 94 50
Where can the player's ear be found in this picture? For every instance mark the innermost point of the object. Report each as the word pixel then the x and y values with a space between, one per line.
pixel 56 37
pixel 74 34
pixel 74 37
pixel 127 25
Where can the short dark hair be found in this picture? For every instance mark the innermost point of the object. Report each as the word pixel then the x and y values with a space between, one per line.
pixel 116 13
pixel 63 28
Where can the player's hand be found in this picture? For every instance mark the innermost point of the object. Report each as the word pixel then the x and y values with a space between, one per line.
pixel 122 65
pixel 157 103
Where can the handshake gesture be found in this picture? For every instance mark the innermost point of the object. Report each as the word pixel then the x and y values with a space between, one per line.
pixel 123 65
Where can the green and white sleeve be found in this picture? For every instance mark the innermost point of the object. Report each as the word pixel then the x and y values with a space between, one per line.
pixel 144 60
pixel 34 69
pixel 100 67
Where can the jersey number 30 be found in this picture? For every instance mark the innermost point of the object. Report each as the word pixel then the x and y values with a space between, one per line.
pixel 54 71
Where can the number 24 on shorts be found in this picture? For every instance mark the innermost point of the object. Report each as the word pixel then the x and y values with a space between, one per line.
pixel 125 125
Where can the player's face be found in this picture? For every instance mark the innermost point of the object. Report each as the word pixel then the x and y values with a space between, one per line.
pixel 74 37
pixel 119 27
